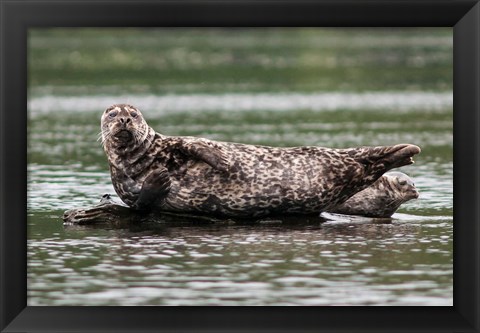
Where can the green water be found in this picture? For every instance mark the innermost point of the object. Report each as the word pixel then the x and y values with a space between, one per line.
pixel 280 87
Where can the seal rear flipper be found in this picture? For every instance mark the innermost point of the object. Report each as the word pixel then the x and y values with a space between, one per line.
pixel 154 190
pixel 386 157
pixel 209 152
pixel 400 155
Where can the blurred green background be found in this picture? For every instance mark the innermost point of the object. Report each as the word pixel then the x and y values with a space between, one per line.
pixel 241 60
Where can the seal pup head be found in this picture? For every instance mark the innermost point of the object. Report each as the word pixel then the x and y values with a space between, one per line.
pixel 123 128
pixel 403 185
pixel 382 198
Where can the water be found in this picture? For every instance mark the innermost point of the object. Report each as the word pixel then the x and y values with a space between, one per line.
pixel 280 87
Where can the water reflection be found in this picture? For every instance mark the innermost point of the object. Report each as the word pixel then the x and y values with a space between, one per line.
pixel 331 263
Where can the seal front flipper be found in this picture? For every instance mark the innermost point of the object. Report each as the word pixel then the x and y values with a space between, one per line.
pixel 154 190
pixel 209 152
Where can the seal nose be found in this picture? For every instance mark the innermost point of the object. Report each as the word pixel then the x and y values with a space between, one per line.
pixel 415 193
pixel 125 121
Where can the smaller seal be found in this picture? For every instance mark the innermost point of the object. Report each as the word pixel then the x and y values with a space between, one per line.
pixel 382 198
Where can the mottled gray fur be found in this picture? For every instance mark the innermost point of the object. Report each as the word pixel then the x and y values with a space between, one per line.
pixel 151 171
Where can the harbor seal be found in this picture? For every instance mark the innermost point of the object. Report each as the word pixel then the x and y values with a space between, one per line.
pixel 382 198
pixel 152 171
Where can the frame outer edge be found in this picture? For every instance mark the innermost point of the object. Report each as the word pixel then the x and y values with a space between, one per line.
pixel 467 170
pixel 7 315
pixel 13 196
pixel 476 291
pixel 3 319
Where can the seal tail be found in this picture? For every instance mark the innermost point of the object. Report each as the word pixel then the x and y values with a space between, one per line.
pixel 389 156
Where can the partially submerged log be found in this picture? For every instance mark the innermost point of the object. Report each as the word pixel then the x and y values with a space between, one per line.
pixel 110 212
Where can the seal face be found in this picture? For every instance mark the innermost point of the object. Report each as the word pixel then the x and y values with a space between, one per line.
pixel 382 198
pixel 151 171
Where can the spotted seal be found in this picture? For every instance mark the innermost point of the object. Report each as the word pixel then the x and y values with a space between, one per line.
pixel 152 171
pixel 382 198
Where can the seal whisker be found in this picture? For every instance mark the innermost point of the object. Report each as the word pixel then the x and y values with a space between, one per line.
pixel 105 137
pixel 137 133
pixel 101 135
pixel 143 135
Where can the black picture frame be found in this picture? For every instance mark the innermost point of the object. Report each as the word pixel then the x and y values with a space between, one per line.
pixel 17 16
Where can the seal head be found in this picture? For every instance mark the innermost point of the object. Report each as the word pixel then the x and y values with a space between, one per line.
pixel 382 198
pixel 124 129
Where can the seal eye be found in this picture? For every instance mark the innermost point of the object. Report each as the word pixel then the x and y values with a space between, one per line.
pixel 112 114
pixel 134 114
pixel 402 182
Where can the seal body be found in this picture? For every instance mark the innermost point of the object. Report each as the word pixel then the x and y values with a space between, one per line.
pixel 382 198
pixel 151 171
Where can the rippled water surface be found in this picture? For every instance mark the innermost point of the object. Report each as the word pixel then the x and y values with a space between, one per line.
pixel 280 87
